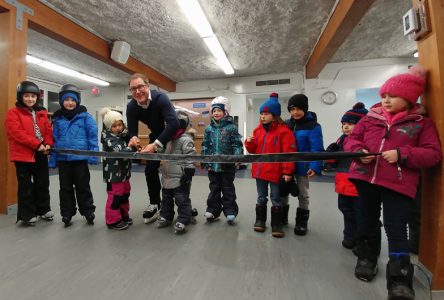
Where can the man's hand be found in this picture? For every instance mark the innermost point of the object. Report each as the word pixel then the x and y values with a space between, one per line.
pixel 150 148
pixel 366 159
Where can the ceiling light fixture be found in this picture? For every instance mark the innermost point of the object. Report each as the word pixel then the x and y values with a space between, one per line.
pixel 415 54
pixel 60 69
pixel 197 18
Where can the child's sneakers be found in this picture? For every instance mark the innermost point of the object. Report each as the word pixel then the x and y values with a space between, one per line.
pixel 127 220
pixel 162 222
pixel 90 218
pixel 230 219
pixel 210 217
pixel 151 214
pixel 67 221
pixel 30 222
pixel 49 216
pixel 179 227
pixel 118 226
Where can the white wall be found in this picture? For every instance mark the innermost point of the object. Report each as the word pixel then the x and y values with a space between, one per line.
pixel 342 78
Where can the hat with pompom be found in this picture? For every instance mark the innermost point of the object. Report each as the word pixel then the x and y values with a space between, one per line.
pixel 408 85
pixel 271 105
pixel 222 103
pixel 355 114
pixel 110 116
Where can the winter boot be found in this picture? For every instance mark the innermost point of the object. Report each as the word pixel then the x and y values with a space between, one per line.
pixel 194 214
pixel 90 218
pixel 276 222
pixel 399 275
pixel 179 228
pixel 301 221
pixel 367 264
pixel 285 209
pixel 67 221
pixel 261 218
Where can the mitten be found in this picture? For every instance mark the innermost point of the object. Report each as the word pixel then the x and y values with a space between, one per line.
pixel 187 176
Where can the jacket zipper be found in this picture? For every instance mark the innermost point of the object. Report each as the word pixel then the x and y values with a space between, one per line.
pixel 379 157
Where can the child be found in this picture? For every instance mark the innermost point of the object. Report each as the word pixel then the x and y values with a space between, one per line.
pixel 270 136
pixel 30 139
pixel 116 171
pixel 308 134
pixel 348 201
pixel 408 142
pixel 176 179
pixel 74 128
pixel 221 137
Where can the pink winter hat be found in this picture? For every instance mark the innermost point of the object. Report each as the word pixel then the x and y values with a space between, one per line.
pixel 408 85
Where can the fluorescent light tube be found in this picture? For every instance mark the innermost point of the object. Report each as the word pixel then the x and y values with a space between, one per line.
pixel 216 49
pixel 196 17
pixel 63 70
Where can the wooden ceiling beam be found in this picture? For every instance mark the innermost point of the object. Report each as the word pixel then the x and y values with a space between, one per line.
pixel 345 17
pixel 49 22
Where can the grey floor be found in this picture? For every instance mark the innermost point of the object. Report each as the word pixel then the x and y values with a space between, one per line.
pixel 210 261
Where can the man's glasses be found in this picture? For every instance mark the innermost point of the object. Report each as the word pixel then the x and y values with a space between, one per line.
pixel 137 88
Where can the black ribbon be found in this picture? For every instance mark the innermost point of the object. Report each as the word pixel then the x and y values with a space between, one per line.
pixel 248 158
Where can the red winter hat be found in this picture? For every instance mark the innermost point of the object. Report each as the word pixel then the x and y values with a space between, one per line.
pixel 408 85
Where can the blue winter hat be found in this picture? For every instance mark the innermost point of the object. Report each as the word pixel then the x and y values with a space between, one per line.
pixel 271 105
pixel 355 114
pixel 72 95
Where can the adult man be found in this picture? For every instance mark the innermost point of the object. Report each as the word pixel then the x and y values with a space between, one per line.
pixel 154 109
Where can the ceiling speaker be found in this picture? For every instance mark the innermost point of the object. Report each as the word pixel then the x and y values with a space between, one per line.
pixel 120 52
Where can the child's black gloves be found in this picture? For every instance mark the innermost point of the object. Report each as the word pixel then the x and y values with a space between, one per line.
pixel 187 176
pixel 333 147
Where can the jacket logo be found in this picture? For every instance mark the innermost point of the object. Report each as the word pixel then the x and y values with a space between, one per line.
pixel 410 130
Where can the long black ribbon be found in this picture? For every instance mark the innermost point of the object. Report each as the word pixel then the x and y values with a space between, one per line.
pixel 248 158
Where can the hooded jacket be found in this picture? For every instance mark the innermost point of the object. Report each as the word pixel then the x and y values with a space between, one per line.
pixel 278 139
pixel 116 169
pixel 221 138
pixel 78 133
pixel 172 171
pixel 23 142
pixel 308 135
pixel 414 136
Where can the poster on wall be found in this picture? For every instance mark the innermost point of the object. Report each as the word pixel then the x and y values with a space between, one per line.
pixel 369 96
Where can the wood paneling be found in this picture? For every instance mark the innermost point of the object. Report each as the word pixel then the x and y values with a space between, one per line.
pixel 346 16
pixel 431 56
pixel 13 70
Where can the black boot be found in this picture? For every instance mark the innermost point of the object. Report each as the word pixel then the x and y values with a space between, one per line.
pixel 276 222
pixel 285 210
pixel 301 221
pixel 399 275
pixel 261 218
pixel 367 264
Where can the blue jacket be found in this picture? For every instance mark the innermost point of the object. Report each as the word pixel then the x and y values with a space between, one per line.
pixel 221 138
pixel 308 134
pixel 78 133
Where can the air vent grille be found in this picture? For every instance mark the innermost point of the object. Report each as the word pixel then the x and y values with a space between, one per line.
pixel 273 82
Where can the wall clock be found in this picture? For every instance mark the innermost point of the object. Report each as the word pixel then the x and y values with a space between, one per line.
pixel 329 97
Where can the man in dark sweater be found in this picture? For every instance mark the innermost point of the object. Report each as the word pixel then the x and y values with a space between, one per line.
pixel 154 109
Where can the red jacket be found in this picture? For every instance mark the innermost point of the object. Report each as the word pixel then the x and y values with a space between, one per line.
pixel 21 136
pixel 278 139
pixel 413 135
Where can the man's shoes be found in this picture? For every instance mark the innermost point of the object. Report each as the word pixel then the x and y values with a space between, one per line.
pixel 49 216
pixel 67 221
pixel 30 222
pixel 90 218
pixel 162 222
pixel 151 214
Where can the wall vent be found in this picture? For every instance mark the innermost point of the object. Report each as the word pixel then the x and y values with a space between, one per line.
pixel 272 82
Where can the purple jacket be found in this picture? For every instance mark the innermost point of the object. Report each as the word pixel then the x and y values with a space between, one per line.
pixel 414 136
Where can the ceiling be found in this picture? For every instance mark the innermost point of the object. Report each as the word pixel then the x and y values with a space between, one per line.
pixel 259 36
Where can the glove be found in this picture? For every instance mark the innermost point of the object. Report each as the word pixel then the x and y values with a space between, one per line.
pixel 187 176
pixel 333 147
